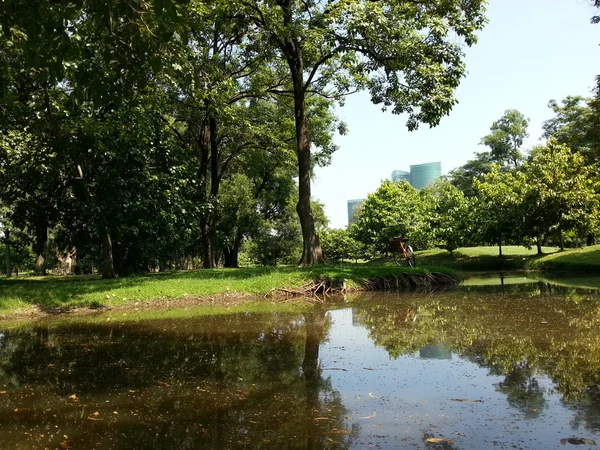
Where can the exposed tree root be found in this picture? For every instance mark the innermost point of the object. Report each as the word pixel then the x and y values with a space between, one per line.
pixel 319 289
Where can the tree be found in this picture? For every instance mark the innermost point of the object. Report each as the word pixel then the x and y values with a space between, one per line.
pixel 451 216
pixel 405 54
pixel 339 244
pixel 463 176
pixel 575 125
pixel 497 212
pixel 395 209
pixel 562 192
pixel 506 137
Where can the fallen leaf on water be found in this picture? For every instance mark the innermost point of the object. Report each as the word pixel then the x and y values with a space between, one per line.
pixel 73 397
pixel 465 400
pixel 93 418
pixel 439 441
pixel 577 441
pixel 371 395
pixel 3 392
pixel 369 417
pixel 66 444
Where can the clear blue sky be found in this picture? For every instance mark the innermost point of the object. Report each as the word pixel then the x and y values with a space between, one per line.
pixel 531 51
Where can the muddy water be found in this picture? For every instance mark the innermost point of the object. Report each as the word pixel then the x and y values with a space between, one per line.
pixel 508 362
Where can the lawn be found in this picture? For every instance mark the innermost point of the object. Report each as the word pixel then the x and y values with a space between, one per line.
pixel 581 259
pixel 482 258
pixel 514 258
pixel 85 291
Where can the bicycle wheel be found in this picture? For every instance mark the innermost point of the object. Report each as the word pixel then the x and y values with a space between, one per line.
pixel 410 257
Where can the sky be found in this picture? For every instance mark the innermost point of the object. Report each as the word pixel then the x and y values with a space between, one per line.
pixel 530 52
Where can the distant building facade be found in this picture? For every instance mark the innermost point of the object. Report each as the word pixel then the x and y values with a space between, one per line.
pixel 353 207
pixel 423 175
pixel 420 175
pixel 401 175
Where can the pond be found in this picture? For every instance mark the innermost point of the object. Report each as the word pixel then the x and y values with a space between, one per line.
pixel 510 362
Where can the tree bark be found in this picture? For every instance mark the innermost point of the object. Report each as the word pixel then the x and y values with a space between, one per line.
pixel 311 248
pixel 41 239
pixel 232 254
pixel 108 266
pixel 538 244
pixel 500 248
pixel 7 243
pixel 562 241
pixel 591 239
pixel 209 229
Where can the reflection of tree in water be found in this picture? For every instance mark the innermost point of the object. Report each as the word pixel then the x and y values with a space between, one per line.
pixel 520 337
pixel 586 412
pixel 225 382
pixel 523 390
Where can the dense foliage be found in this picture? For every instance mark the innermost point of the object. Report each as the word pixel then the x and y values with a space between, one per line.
pixel 149 135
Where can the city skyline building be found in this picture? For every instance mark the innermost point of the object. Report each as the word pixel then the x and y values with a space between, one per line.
pixel 419 177
pixel 353 207
pixel 401 175
pixel 424 175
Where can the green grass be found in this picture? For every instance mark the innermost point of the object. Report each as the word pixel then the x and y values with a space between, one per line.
pixel 85 291
pixel 577 260
pixel 482 258
pixel 514 258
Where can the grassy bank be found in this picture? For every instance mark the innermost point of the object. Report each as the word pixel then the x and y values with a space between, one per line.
pixel 514 258
pixel 18 294
pixel 576 260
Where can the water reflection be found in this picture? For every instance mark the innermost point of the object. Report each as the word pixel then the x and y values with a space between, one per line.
pixel 515 337
pixel 236 381
pixel 515 365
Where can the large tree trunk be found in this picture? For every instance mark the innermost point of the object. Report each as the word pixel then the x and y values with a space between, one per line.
pixel 210 229
pixel 562 241
pixel 108 266
pixel 591 239
pixel 538 244
pixel 311 250
pixel 232 253
pixel 7 243
pixel 41 239
pixel 208 250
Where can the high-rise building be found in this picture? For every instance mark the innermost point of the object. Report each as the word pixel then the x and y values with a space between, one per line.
pixel 401 175
pixel 423 175
pixel 353 208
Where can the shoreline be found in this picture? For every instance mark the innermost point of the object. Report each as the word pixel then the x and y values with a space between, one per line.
pixel 317 291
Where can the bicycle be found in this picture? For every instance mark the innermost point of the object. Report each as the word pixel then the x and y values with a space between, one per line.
pixel 402 252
